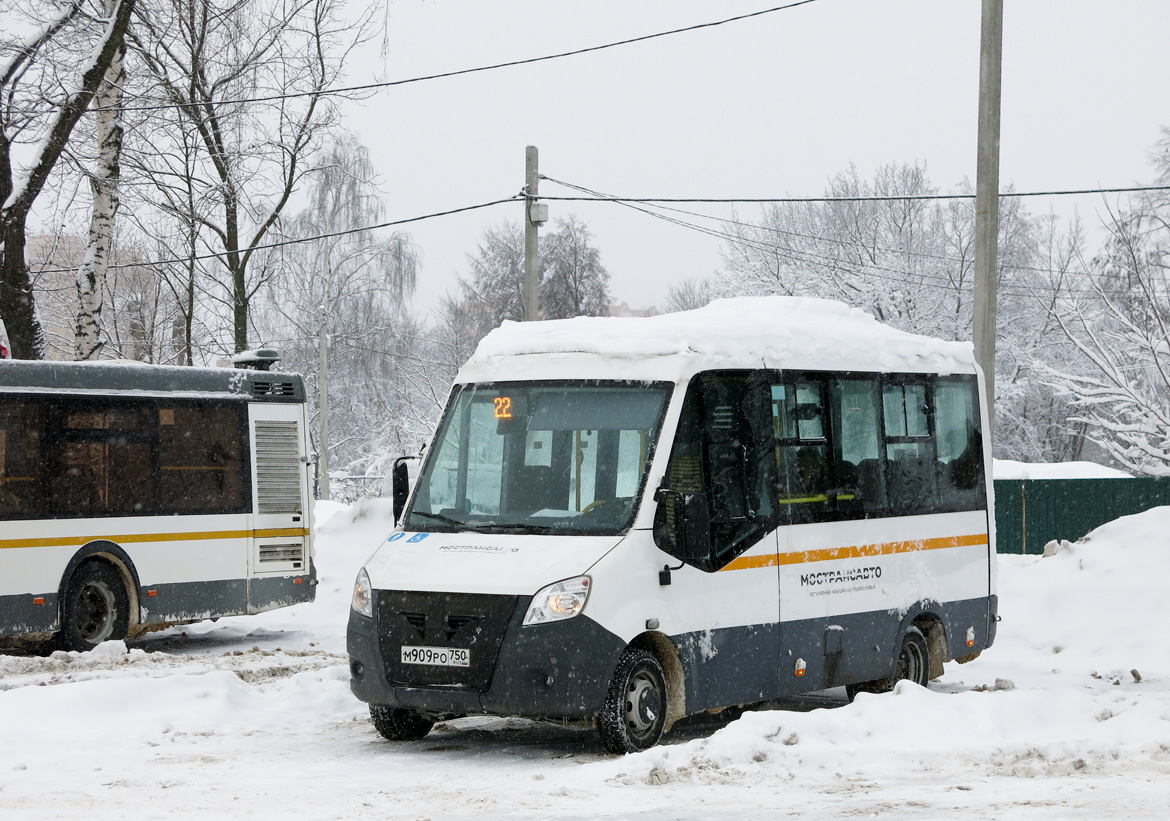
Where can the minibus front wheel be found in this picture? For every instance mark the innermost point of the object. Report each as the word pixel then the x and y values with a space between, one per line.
pixel 633 715
pixel 397 724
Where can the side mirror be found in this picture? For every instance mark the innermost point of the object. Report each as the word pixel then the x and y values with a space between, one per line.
pixel 401 487
pixel 682 525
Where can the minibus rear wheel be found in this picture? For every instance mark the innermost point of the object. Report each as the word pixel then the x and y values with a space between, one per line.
pixel 397 724
pixel 913 664
pixel 634 712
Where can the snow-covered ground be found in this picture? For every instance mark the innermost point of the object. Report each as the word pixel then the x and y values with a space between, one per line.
pixel 252 718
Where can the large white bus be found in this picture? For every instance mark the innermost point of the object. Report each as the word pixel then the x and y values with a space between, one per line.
pixel 133 497
pixel 628 521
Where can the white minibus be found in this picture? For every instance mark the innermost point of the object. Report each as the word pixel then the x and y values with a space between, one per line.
pixel 625 521
pixel 134 497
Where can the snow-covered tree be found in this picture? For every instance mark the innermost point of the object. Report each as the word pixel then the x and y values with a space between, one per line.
pixel 1120 325
pixel 572 279
pixel 354 286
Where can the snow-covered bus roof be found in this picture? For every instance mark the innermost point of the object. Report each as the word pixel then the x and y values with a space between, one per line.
pixel 799 333
pixel 128 377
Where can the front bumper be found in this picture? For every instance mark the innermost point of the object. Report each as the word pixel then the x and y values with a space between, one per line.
pixel 557 670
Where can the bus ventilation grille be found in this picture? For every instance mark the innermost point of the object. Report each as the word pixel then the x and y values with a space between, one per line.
pixel 268 387
pixel 282 553
pixel 278 467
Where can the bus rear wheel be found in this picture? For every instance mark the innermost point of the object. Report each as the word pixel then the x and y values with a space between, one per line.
pixel 96 608
pixel 913 664
pixel 397 724
pixel 633 715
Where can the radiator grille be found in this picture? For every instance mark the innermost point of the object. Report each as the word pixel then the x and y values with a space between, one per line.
pixel 278 467
pixel 473 621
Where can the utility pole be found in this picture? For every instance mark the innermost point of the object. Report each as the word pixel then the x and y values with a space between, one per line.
pixel 535 215
pixel 323 408
pixel 987 200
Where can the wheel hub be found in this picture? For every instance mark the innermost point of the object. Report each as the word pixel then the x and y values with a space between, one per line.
pixel 643 704
pixel 95 613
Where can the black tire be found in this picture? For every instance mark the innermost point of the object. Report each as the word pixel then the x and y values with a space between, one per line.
pixel 398 724
pixel 913 664
pixel 96 608
pixel 633 715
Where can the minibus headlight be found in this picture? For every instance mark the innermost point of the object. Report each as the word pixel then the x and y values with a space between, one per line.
pixel 363 599
pixel 562 600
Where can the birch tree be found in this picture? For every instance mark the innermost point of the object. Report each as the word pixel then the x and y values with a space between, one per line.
pixel 44 92
pixel 91 276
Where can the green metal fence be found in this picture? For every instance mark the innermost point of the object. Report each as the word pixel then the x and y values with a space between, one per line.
pixel 1032 512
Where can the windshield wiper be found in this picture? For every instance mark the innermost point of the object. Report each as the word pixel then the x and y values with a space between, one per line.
pixel 439 517
pixel 482 526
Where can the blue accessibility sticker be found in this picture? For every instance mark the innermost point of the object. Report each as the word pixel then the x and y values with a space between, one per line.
pixel 418 537
pixel 396 536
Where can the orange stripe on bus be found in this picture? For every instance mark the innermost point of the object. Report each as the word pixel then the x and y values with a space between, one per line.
pixel 856 551
pixel 68 541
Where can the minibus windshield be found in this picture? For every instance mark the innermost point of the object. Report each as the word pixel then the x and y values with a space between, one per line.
pixel 565 458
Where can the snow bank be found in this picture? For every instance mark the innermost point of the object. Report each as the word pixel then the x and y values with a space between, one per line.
pixel 1009 469
pixel 1048 724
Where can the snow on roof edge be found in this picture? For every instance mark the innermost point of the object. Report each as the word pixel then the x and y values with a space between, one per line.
pixel 799 332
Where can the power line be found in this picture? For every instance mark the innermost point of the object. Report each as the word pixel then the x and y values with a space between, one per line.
pixel 509 64
pixel 891 198
pixel 801 256
pixel 815 237
pixel 297 241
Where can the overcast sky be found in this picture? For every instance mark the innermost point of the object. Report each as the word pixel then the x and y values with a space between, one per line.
pixel 771 106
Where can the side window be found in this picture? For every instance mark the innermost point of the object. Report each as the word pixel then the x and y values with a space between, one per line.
pixel 200 455
pixel 805 487
pixel 910 452
pixel 960 445
pixel 21 496
pixel 723 449
pixel 857 444
pixel 103 461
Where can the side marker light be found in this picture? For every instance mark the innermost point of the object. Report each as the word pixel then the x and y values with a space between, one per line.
pixel 970 636
pixel 39 600
pixel 800 665
pixel 153 594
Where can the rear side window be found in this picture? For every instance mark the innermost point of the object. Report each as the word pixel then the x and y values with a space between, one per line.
pixel 21 459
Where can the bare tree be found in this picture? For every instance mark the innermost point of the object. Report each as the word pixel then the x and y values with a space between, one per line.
pixel 248 79
pixel 41 101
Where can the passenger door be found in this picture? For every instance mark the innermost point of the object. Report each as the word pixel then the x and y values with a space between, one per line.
pixel 726 598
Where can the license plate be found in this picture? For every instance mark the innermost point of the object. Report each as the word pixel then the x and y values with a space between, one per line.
pixel 437 656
